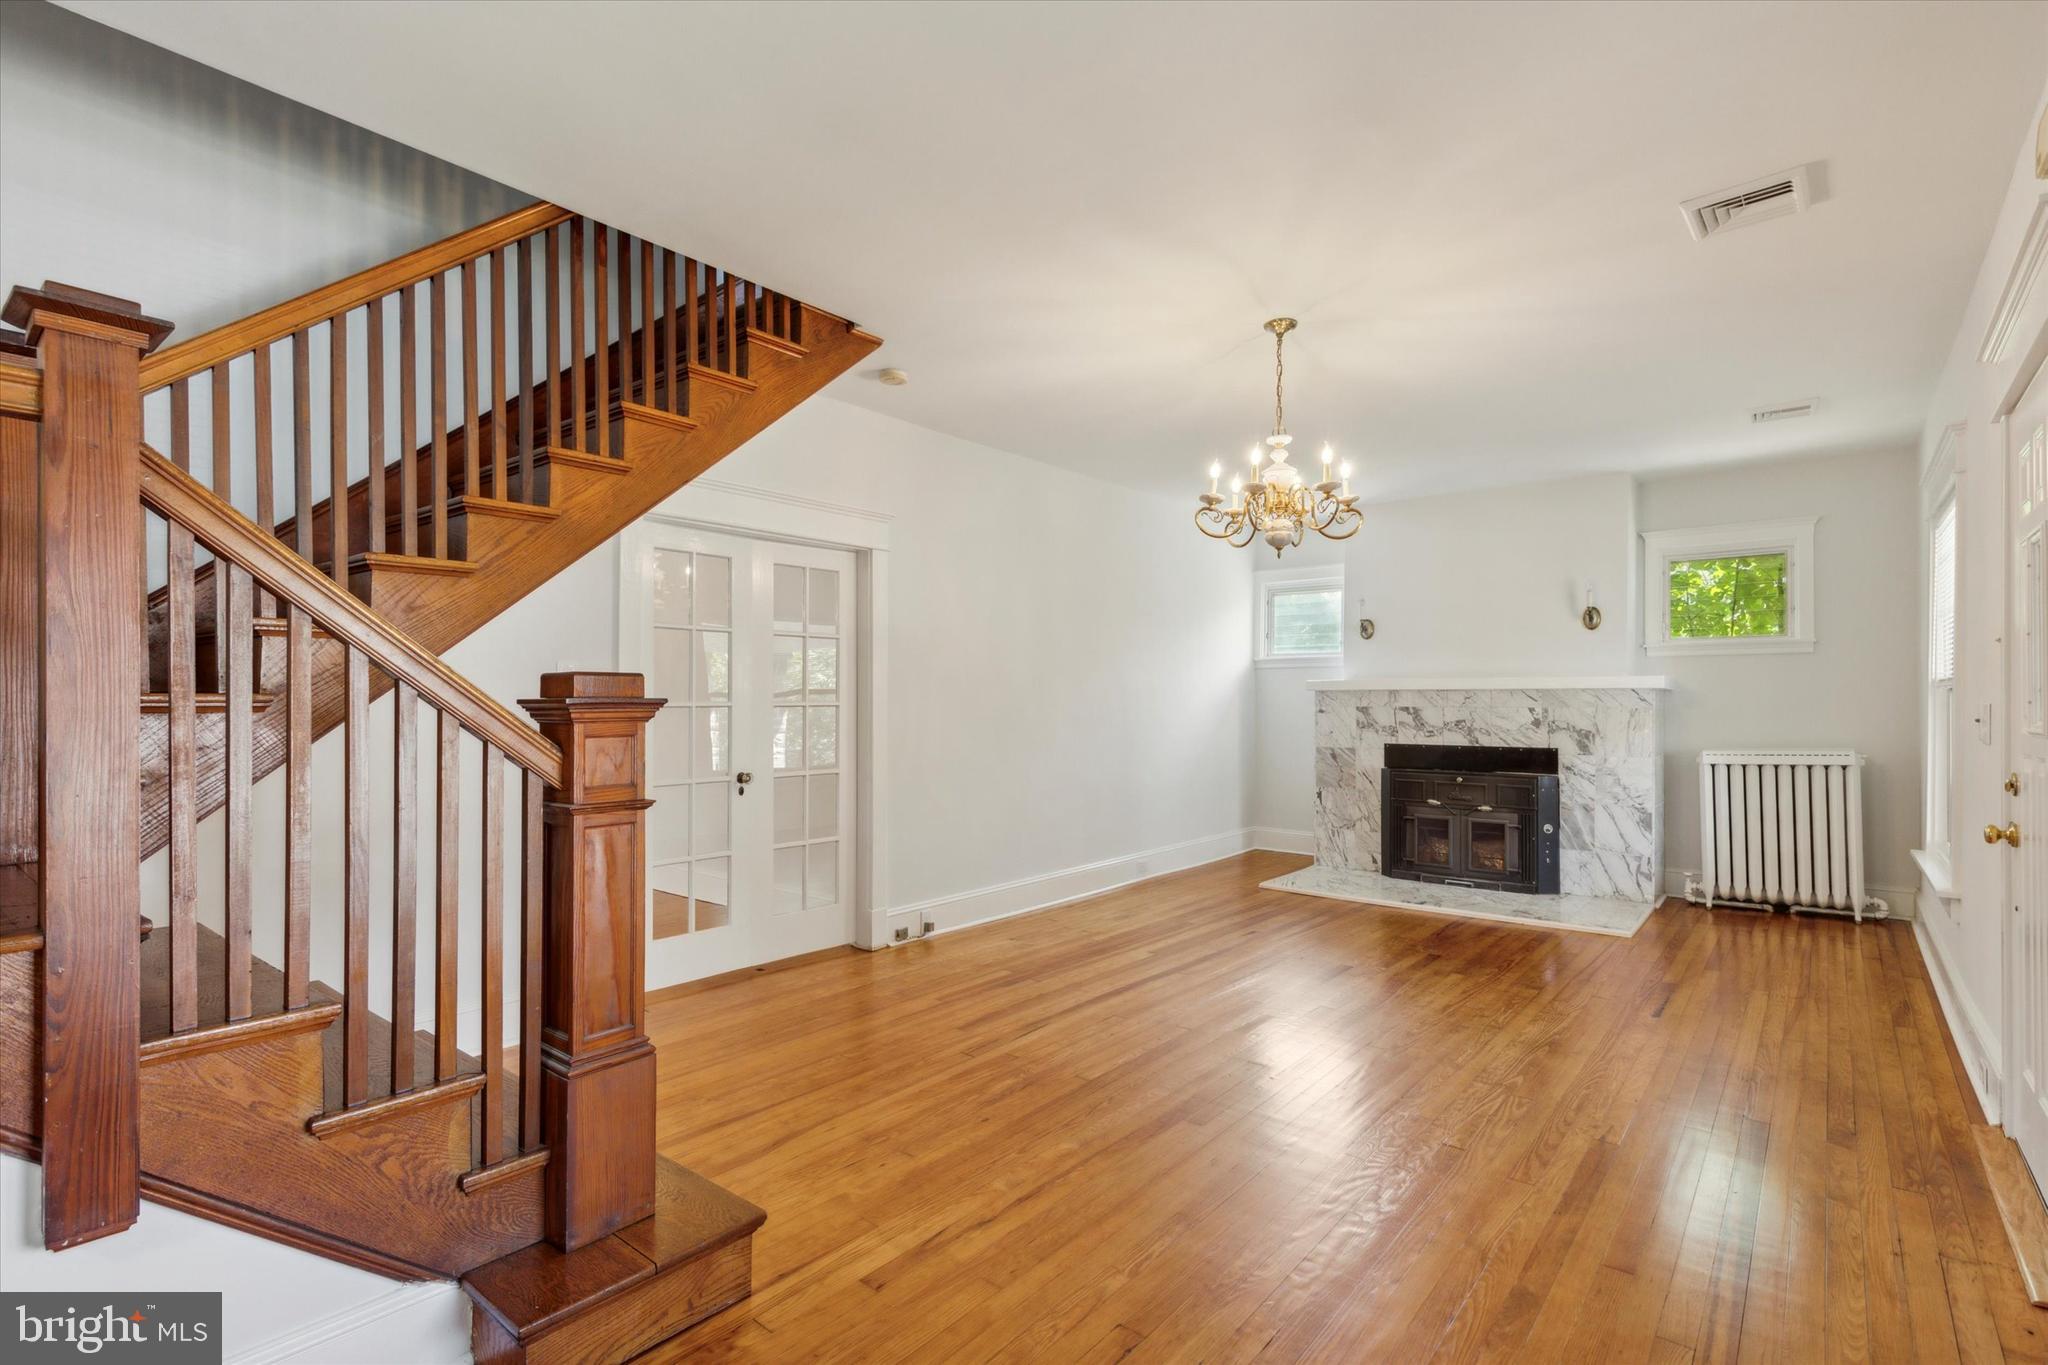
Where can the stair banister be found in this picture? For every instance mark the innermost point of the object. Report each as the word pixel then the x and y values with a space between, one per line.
pixel 89 648
pixel 597 1063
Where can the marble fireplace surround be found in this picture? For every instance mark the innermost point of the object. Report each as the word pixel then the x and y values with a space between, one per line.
pixel 1608 734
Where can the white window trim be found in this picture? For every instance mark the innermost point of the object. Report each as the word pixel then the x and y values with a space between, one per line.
pixel 1936 859
pixel 1270 581
pixel 1793 537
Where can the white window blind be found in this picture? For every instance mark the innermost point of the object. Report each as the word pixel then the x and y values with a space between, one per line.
pixel 1941 597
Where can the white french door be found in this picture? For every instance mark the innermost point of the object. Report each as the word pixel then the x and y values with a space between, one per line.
pixel 2027 807
pixel 750 762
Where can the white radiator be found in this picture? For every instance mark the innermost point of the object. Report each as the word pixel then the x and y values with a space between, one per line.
pixel 1782 827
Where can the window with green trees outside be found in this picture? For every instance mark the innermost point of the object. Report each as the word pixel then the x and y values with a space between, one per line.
pixel 1731 597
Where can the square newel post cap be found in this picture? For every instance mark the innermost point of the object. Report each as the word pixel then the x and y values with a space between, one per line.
pixel 573 696
pixel 69 308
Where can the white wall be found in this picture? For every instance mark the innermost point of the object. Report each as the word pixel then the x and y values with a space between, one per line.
pixel 1468 584
pixel 1859 688
pixel 278 1303
pixel 1964 934
pixel 1062 693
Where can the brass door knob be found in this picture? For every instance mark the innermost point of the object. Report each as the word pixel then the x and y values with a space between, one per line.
pixel 2009 835
pixel 2012 784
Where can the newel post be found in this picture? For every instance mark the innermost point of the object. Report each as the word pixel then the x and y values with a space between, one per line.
pixel 90 677
pixel 597 1064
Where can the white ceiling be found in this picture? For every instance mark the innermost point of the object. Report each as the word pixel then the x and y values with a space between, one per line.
pixel 1069 220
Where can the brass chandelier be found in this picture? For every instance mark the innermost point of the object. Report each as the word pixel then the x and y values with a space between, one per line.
pixel 1277 504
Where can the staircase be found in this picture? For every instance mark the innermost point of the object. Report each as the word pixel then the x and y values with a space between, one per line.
pixel 330 494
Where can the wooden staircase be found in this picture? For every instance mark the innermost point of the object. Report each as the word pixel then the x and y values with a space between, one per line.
pixel 482 414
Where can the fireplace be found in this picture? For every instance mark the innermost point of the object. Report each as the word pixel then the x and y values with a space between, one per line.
pixel 1470 815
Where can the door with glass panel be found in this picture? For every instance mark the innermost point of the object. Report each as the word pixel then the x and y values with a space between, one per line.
pixel 750 763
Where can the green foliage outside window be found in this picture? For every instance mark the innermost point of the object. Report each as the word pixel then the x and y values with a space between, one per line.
pixel 1304 622
pixel 1731 597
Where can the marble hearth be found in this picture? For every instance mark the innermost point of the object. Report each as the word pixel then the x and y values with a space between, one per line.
pixel 1608 735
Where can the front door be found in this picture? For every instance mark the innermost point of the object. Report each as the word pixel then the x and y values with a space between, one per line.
pixel 2027 927
pixel 750 762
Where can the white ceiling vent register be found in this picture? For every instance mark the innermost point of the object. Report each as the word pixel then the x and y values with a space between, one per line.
pixel 1759 201
pixel 1784 412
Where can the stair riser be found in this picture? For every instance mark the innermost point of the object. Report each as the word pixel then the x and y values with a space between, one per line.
pixel 629 1323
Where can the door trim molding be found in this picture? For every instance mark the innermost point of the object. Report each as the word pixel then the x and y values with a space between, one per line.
pixel 767 514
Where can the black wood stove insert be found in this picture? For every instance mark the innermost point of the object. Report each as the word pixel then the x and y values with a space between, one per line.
pixel 1470 815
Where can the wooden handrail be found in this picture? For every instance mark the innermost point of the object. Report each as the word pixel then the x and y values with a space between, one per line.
pixel 178 496
pixel 276 323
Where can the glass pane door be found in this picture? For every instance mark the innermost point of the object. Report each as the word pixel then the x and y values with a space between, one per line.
pixel 751 760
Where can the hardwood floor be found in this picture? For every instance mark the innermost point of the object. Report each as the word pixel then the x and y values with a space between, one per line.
pixel 1191 1120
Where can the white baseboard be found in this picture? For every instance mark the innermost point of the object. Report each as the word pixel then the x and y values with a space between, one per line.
pixel 1976 1041
pixel 1899 902
pixel 1282 840
pixel 425 1322
pixel 1049 889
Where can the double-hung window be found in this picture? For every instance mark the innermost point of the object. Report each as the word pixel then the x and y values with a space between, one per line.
pixel 1941 675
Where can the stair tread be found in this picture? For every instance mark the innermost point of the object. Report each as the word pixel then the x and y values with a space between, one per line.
pixel 266 996
pixel 540 1286
pixel 205 703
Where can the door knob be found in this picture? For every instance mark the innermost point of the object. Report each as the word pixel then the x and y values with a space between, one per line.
pixel 2012 784
pixel 743 779
pixel 2009 835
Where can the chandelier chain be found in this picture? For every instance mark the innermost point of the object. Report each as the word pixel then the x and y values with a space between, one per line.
pixel 1279 378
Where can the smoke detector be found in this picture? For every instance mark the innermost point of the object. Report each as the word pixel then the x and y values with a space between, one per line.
pixel 1745 205
pixel 1784 412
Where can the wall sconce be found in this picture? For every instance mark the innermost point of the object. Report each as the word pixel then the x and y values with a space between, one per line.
pixel 1365 625
pixel 1590 617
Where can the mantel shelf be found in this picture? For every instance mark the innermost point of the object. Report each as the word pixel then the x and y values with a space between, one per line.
pixel 1651 682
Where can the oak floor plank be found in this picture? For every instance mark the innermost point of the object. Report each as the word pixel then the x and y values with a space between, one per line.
pixel 1191 1120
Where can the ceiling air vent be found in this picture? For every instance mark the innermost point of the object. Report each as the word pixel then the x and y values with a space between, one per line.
pixel 1785 412
pixel 1759 201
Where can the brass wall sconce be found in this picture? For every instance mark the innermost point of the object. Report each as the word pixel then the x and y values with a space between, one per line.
pixel 1590 618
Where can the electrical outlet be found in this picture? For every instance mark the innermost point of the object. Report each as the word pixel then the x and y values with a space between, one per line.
pixel 902 933
pixel 929 927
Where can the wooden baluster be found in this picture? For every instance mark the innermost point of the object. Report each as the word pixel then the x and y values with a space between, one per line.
pixel 234 641
pixel 298 805
pixel 223 451
pixel 89 579
pixel 691 308
pixel 472 464
pixel 493 1112
pixel 437 404
pixel 796 322
pixel 732 330
pixel 671 362
pixel 266 473
pixel 552 371
pixel 337 446
pixel 405 762
pixel 647 330
pixel 355 883
pixel 578 431
pixel 599 1066
pixel 530 977
pixel 527 412
pixel 602 399
pixel 374 317
pixel 624 283
pixel 447 889
pixel 302 443
pixel 408 423
pixel 181 727
pixel 501 488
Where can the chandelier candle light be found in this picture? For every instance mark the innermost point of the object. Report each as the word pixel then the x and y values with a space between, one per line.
pixel 1277 504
